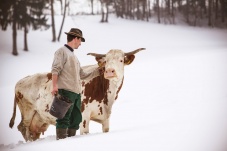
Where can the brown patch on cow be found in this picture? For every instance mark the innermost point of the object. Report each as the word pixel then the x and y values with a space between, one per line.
pixel 96 89
pixel 105 101
pixel 49 77
pixel 82 106
pixel 100 109
pixel 84 123
pixel 47 108
pixel 119 89
pixel 16 99
pixel 19 97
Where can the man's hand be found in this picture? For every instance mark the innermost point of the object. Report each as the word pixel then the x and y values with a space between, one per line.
pixel 55 86
pixel 54 91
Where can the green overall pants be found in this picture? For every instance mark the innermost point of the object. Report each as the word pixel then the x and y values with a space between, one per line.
pixel 73 116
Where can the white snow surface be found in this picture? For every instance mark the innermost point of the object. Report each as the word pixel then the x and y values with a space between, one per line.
pixel 174 96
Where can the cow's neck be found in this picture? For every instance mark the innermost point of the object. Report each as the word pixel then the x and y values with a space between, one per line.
pixel 101 90
pixel 114 89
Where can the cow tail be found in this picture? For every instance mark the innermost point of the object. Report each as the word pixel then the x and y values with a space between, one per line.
pixel 14 114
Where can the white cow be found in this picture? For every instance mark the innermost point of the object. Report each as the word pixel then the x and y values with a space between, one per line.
pixel 33 96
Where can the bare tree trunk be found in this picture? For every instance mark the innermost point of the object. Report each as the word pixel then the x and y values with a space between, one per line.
pixel 223 9
pixel 216 9
pixel 128 10
pixel 168 7
pixel 144 15
pixel 52 20
pixel 179 2
pixel 195 11
pixel 119 8
pixel 172 12
pixel 123 10
pixel 107 15
pixel 102 10
pixel 62 23
pixel 105 10
pixel 209 13
pixel 92 7
pixel 148 9
pixel 158 10
pixel 138 11
pixel 25 39
pixel 14 32
pixel 187 11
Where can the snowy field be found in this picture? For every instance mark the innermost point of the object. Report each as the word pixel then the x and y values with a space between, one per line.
pixel 174 96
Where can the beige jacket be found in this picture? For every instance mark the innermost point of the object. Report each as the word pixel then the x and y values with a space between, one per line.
pixel 67 67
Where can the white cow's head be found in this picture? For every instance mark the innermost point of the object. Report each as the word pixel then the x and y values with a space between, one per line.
pixel 114 62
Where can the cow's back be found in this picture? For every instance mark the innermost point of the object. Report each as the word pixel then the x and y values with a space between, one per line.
pixel 31 86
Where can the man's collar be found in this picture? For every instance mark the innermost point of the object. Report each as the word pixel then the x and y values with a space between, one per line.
pixel 70 48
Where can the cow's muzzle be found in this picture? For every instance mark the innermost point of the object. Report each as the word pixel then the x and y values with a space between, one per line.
pixel 110 73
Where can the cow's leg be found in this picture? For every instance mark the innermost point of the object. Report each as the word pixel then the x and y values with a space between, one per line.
pixel 105 126
pixel 84 125
pixel 26 116
pixel 23 127
pixel 23 130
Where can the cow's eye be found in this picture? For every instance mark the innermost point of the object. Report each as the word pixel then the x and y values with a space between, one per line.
pixel 121 60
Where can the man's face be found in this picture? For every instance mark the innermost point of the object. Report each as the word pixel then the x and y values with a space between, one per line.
pixel 77 42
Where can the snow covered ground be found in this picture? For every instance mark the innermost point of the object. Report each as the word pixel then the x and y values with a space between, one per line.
pixel 174 96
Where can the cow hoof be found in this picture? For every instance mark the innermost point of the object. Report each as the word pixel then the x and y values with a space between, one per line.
pixel 106 131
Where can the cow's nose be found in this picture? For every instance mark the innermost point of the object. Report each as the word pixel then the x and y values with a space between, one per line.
pixel 110 72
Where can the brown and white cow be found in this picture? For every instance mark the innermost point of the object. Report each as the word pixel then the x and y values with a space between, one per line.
pixel 33 96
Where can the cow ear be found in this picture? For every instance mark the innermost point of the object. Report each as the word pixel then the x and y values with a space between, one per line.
pixel 100 60
pixel 129 59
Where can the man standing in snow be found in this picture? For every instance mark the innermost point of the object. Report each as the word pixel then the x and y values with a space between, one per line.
pixel 66 76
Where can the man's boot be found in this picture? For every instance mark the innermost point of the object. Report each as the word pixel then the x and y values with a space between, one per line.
pixel 71 132
pixel 61 133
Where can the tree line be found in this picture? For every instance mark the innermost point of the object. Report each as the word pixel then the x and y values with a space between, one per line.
pixel 29 14
pixel 193 12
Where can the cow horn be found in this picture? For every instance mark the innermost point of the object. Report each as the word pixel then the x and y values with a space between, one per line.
pixel 96 55
pixel 134 52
